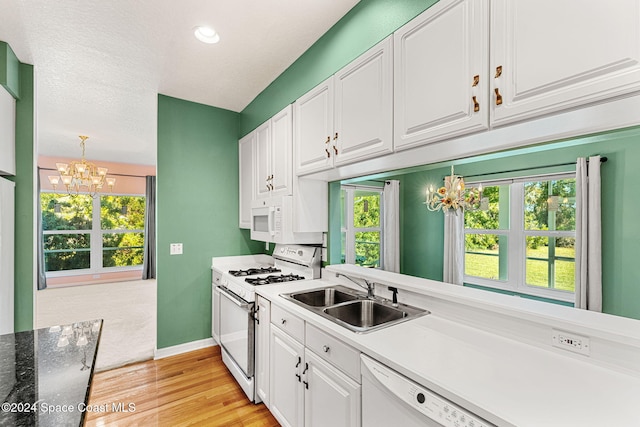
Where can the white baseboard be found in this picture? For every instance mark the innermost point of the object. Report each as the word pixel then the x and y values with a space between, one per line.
pixel 161 353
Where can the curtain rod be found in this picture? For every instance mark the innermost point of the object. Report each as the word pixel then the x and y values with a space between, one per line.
pixel 115 174
pixel 602 160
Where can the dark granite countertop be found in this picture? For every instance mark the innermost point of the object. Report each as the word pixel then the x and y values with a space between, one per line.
pixel 45 374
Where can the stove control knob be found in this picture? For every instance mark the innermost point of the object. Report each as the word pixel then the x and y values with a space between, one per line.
pixel 420 397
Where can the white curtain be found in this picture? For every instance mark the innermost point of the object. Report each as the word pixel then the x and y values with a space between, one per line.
pixel 453 271
pixel 588 235
pixel 391 226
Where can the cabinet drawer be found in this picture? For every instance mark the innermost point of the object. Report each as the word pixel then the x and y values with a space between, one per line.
pixel 334 351
pixel 289 323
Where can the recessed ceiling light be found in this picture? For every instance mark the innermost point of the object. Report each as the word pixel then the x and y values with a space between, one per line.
pixel 206 34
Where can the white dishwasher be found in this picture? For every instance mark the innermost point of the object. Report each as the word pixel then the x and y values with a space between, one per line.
pixel 390 399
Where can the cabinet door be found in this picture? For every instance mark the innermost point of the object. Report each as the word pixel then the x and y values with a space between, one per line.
pixel 7 240
pixel 286 394
pixel 282 152
pixel 331 398
pixel 246 180
pixel 262 160
pixel 313 129
pixel 262 349
pixel 7 133
pixel 557 55
pixel 363 106
pixel 437 57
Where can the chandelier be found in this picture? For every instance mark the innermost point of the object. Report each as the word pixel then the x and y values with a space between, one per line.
pixel 453 195
pixel 81 176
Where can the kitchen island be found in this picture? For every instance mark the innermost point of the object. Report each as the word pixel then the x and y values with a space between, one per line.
pixel 45 374
pixel 493 354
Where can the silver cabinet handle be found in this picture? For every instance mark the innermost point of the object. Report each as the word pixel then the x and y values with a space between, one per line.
pixel 325 348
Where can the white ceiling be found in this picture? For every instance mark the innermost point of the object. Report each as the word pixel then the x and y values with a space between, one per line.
pixel 100 64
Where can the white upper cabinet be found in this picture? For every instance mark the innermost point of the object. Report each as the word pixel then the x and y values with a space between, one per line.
pixel 245 179
pixel 440 73
pixel 364 106
pixel 7 133
pixel 313 129
pixel 348 117
pixel 548 55
pixel 273 156
pixel 262 158
pixel 282 152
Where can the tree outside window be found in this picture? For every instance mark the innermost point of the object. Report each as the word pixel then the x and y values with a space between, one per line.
pixel 92 235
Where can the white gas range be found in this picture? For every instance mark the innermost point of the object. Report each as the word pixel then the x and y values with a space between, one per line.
pixel 234 280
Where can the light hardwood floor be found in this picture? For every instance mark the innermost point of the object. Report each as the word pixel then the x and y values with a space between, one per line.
pixel 194 388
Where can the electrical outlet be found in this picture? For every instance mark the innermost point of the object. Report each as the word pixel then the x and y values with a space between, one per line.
pixel 175 249
pixel 570 341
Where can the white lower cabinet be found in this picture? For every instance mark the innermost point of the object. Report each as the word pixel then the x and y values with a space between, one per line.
pixel 305 388
pixel 263 327
pixel 331 398
pixel 286 393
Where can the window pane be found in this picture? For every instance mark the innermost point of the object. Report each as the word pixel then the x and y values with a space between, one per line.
pixel 366 209
pixel 122 212
pixel 368 248
pixel 66 212
pixel 490 216
pixel 122 249
pixel 67 251
pixel 550 205
pixel 343 243
pixel 486 256
pixel 551 262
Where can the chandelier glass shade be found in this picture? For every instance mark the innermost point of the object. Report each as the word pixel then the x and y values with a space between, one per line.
pixel 81 176
pixel 453 195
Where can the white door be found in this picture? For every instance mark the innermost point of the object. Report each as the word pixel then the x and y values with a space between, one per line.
pixel 286 394
pixel 7 239
pixel 313 129
pixel 263 316
pixel 282 152
pixel 262 162
pixel 246 179
pixel 557 55
pixel 437 57
pixel 7 133
pixel 331 398
pixel 364 106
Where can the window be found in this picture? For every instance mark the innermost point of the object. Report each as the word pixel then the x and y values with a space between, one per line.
pixel 92 235
pixel 361 226
pixel 523 238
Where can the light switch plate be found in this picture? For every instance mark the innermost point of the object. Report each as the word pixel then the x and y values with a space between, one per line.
pixel 175 249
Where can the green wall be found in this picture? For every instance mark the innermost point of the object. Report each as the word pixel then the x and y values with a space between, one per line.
pixel 9 70
pixel 362 27
pixel 197 205
pixel 18 79
pixel 422 231
pixel 24 199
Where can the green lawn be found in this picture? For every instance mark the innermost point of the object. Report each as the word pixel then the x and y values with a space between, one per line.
pixel 484 263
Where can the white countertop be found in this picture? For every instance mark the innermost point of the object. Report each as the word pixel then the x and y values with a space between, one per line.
pixel 502 380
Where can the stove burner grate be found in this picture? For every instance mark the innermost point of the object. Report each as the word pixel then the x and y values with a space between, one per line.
pixel 273 279
pixel 254 271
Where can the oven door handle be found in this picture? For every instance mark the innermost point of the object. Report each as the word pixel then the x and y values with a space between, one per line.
pixel 234 298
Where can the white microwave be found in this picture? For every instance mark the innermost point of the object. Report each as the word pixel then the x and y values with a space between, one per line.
pixel 272 220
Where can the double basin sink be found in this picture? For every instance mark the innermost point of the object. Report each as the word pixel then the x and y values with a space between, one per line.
pixel 352 309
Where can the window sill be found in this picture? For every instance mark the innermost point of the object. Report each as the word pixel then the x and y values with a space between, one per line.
pixel 91 279
pixel 566 299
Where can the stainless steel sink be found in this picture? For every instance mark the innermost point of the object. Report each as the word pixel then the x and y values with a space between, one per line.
pixel 352 309
pixel 365 313
pixel 323 297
